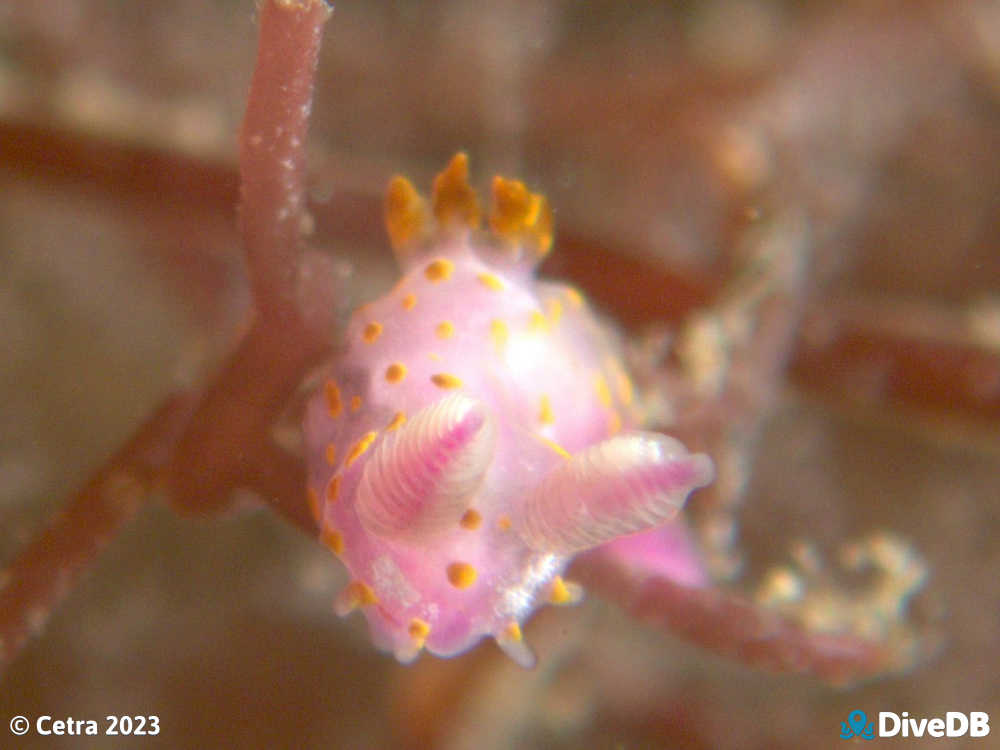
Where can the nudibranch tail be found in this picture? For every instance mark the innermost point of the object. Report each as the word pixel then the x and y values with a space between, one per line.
pixel 422 477
pixel 620 486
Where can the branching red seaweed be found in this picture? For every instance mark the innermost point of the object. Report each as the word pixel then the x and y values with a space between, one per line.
pixel 205 445
pixel 46 570
pixel 272 150
pixel 727 623
pixel 226 441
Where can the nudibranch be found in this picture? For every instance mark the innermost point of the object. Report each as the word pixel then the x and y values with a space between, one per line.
pixel 477 432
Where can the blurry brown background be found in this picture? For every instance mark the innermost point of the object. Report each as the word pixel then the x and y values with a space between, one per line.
pixel 654 126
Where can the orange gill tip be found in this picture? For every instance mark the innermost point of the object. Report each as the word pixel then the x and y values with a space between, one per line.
pixel 356 594
pixel 564 593
pixel 418 631
pixel 511 642
pixel 455 203
pixel 405 216
pixel 521 217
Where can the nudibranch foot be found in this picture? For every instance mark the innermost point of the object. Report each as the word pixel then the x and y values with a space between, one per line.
pixel 478 432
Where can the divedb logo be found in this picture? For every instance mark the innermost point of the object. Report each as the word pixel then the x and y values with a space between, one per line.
pixel 952 724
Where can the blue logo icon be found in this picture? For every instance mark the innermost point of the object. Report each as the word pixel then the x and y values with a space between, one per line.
pixel 859 726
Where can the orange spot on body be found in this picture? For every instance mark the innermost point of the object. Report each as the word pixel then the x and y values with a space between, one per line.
pixel 333 539
pixel 334 406
pixel 397 421
pixel 621 380
pixel 538 322
pixel 371 333
pixel 409 301
pixel 470 520
pixel 554 446
pixel 490 281
pixel 331 454
pixel 395 372
pixel 313 497
pixel 358 449
pixel 545 415
pixel 439 270
pixel 333 489
pixel 446 380
pixel 461 575
pixel 445 330
pixel 624 386
pixel 499 332
pixel 602 391
pixel 555 310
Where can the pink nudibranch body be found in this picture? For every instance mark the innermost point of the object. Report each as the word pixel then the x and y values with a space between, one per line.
pixel 477 432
